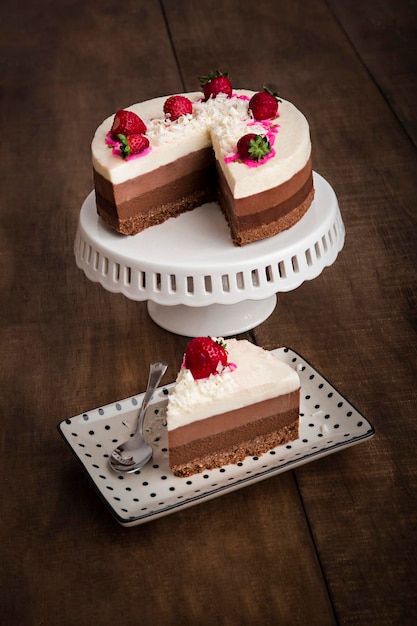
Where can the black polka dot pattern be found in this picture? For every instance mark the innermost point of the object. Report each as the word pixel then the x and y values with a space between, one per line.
pixel 328 422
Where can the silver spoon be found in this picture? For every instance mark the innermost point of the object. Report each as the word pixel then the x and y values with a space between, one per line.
pixel 136 452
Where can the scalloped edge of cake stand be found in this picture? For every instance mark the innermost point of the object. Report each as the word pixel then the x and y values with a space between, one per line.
pixel 202 284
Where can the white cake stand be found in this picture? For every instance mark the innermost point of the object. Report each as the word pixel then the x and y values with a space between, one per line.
pixel 195 281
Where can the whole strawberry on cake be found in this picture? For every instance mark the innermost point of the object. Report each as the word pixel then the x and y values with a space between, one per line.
pixel 230 400
pixel 249 151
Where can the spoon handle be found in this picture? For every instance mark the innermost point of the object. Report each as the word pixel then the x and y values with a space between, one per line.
pixel 156 371
pixel 139 451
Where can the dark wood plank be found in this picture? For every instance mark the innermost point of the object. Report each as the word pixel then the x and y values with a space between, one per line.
pixel 385 37
pixel 356 321
pixel 66 344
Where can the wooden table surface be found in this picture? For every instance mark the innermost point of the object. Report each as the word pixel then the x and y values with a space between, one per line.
pixel 332 542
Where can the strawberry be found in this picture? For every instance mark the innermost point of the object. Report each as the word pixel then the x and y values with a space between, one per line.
pixel 264 104
pixel 126 123
pixel 215 83
pixel 176 106
pixel 253 147
pixel 132 144
pixel 204 356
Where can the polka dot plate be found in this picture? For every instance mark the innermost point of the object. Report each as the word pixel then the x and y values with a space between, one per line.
pixel 328 423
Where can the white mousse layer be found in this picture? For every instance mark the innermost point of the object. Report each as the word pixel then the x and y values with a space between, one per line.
pixel 259 376
pixel 219 122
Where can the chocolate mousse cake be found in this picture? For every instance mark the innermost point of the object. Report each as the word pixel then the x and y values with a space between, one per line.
pixel 230 401
pixel 189 149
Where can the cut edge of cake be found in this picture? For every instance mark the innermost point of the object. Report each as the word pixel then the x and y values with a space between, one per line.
pixel 236 454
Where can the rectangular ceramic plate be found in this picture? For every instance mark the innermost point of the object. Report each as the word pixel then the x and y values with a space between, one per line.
pixel 328 423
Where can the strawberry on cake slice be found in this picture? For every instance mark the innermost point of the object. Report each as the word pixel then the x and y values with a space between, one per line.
pixel 230 400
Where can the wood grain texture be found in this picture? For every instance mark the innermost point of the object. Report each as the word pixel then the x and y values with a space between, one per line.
pixel 330 543
pixel 384 34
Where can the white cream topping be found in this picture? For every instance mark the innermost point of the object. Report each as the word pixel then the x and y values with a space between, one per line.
pixel 219 122
pixel 259 375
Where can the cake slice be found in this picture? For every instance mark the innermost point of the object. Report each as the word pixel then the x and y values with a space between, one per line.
pixel 230 400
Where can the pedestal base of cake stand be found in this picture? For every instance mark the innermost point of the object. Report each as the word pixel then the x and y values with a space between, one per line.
pixel 194 280
pixel 219 320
